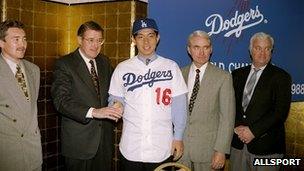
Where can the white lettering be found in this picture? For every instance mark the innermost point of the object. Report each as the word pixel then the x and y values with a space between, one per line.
pixel 276 162
pixel 236 24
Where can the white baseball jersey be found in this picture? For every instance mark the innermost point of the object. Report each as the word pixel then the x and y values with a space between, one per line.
pixel 147 90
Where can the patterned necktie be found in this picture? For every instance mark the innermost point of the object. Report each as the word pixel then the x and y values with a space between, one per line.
pixel 94 77
pixel 249 88
pixel 21 81
pixel 195 90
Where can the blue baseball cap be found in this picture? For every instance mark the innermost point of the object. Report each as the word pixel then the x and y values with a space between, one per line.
pixel 144 23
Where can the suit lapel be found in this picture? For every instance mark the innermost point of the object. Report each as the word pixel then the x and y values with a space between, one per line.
pixel 206 82
pixel 101 78
pixel 263 78
pixel 83 72
pixel 185 72
pixel 30 81
pixel 11 85
pixel 244 79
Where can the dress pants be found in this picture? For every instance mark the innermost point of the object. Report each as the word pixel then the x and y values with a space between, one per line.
pixel 243 160
pixel 127 165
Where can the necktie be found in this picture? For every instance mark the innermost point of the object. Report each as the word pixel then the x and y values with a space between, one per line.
pixel 21 81
pixel 195 90
pixel 249 88
pixel 94 77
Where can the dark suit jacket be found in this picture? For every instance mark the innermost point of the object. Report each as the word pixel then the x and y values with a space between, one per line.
pixel 20 144
pixel 267 110
pixel 73 94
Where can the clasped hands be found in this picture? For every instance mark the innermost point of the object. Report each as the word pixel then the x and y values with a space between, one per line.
pixel 113 112
pixel 244 134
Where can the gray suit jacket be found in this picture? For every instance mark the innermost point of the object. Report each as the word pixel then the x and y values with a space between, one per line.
pixel 210 125
pixel 20 144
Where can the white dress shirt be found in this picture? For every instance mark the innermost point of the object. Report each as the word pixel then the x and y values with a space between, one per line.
pixel 191 77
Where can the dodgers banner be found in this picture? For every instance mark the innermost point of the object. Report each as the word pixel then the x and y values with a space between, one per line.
pixel 231 23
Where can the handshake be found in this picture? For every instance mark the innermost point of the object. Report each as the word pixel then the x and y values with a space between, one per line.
pixel 113 112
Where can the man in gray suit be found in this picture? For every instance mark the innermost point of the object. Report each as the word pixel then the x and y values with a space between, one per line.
pixel 20 144
pixel 211 108
pixel 80 93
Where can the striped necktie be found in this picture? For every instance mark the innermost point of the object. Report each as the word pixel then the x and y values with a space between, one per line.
pixel 249 88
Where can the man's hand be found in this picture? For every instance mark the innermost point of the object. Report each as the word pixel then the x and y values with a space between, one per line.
pixel 218 160
pixel 244 134
pixel 177 149
pixel 108 113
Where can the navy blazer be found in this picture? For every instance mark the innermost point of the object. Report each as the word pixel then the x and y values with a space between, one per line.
pixel 267 110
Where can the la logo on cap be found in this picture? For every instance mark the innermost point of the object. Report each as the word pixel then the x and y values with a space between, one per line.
pixel 143 24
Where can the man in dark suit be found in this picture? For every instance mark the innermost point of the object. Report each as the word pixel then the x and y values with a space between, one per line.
pixel 20 144
pixel 263 95
pixel 80 93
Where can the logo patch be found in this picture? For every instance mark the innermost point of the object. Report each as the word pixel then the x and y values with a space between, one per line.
pixel 136 81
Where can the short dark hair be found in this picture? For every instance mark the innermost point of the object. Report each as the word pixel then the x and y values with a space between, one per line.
pixel 89 25
pixel 156 33
pixel 5 25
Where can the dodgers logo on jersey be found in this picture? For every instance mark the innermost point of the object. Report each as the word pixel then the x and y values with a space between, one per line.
pixel 136 81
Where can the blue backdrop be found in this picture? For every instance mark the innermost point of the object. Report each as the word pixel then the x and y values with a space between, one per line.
pixel 231 23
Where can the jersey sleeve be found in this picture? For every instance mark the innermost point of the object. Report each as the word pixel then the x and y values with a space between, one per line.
pixel 179 85
pixel 116 85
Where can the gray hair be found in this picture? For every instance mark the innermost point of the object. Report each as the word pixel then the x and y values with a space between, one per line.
pixel 260 35
pixel 199 33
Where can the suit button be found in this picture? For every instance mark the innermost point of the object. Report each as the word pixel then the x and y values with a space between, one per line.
pixel 6 105
pixel 14 120
pixel 244 116
pixel 22 135
pixel 99 124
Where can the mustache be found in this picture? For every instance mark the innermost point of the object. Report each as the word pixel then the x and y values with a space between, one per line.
pixel 21 48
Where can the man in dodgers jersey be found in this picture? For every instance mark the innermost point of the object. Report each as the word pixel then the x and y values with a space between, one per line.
pixel 153 93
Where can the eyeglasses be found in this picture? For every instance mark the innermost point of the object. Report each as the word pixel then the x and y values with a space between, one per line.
pixel 260 49
pixel 91 41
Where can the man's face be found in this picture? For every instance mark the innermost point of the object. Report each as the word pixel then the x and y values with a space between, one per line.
pixel 90 43
pixel 14 44
pixel 146 41
pixel 200 50
pixel 261 52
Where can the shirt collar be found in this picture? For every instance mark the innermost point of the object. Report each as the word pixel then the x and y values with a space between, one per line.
pixel 260 69
pixel 202 68
pixel 87 60
pixel 12 64
pixel 152 58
